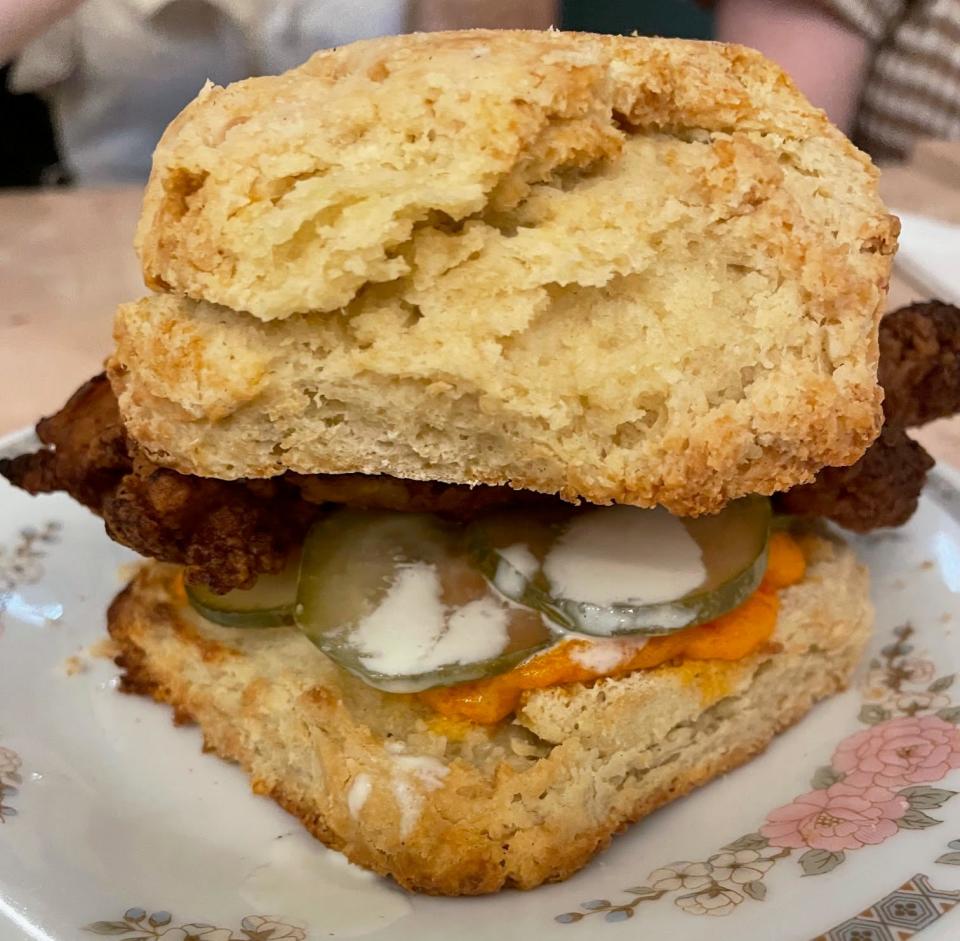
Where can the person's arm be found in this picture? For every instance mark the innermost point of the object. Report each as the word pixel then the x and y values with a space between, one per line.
pixel 23 20
pixel 826 58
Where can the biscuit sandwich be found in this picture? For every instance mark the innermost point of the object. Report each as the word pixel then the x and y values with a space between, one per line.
pixel 484 380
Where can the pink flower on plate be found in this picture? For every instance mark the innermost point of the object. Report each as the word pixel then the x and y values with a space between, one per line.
pixel 836 818
pixel 900 752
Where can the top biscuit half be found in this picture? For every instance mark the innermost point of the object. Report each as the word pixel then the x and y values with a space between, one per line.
pixel 619 269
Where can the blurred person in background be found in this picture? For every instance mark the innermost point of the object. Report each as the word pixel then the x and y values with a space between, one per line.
pixel 886 71
pixel 116 72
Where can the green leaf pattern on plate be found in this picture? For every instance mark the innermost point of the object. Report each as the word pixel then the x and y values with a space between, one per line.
pixel 22 564
pixel 137 925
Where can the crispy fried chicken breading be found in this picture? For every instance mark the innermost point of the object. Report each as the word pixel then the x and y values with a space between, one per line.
pixel 920 373
pixel 228 532
pixel 920 364
pixel 881 489
pixel 86 453
pixel 225 532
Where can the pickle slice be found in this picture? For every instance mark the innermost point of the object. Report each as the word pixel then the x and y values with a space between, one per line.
pixel 513 551
pixel 269 603
pixel 394 599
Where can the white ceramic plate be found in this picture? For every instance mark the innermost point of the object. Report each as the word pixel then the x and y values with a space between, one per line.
pixel 116 825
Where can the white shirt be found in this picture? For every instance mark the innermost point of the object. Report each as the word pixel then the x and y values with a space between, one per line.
pixel 116 72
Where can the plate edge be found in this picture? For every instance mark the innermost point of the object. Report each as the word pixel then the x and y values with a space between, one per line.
pixel 23 439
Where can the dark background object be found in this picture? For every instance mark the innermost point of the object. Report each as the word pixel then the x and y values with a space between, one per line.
pixel 28 152
pixel 681 18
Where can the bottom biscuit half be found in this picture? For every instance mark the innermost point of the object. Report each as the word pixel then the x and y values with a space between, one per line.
pixel 459 809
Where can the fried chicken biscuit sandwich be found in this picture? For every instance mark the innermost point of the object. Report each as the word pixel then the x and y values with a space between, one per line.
pixel 479 370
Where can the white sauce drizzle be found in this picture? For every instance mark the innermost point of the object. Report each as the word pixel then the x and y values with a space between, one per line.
pixel 429 771
pixel 409 802
pixel 603 656
pixel 624 554
pixel 316 886
pixel 516 567
pixel 413 770
pixel 521 558
pixel 598 620
pixel 412 631
pixel 358 794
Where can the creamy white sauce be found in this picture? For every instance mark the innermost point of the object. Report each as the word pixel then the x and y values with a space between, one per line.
pixel 315 886
pixel 624 554
pixel 602 656
pixel 413 774
pixel 358 794
pixel 409 803
pixel 599 620
pixel 412 631
pixel 516 567
pixel 521 558
pixel 429 771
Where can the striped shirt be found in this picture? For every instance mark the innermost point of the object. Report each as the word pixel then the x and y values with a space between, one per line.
pixel 912 87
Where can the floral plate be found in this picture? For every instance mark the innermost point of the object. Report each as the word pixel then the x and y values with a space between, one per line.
pixel 113 823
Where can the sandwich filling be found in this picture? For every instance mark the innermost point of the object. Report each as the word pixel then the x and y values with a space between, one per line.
pixel 731 636
pixel 410 601
pixel 437 620
pixel 468 597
